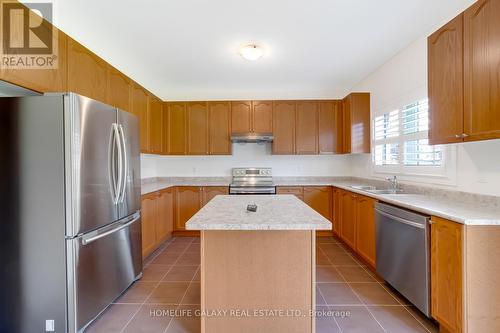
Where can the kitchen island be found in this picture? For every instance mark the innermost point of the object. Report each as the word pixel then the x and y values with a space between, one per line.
pixel 257 268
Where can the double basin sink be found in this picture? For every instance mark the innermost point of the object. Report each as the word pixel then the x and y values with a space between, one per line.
pixel 375 190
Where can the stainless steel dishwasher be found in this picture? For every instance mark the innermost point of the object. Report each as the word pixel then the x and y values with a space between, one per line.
pixel 403 253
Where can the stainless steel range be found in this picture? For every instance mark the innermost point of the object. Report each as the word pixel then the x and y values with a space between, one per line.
pixel 252 181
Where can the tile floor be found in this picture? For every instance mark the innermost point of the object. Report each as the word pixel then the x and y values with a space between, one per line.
pixel 349 297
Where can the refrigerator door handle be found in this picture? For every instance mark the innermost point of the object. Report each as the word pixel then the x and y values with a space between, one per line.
pixel 125 163
pixel 93 236
pixel 119 149
pixel 112 162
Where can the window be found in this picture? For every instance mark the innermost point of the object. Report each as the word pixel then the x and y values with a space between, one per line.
pixel 401 143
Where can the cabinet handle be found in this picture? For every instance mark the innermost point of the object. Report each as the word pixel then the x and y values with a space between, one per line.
pixel 458 136
pixel 465 135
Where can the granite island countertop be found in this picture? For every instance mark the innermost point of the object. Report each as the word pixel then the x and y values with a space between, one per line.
pixel 274 212
pixel 461 207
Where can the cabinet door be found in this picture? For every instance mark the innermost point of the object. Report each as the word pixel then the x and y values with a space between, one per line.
pixel 155 126
pixel 336 211
pixel 348 219
pixel 319 198
pixel 140 107
pixel 219 127
pixel 326 127
pixel 87 73
pixel 298 191
pixel 210 192
pixel 306 128
pixel 482 70
pixel 365 224
pixel 262 117
pixel 338 136
pixel 188 202
pixel 42 80
pixel 176 114
pixel 149 216
pixel 165 221
pixel 241 117
pixel 447 273
pixel 445 77
pixel 197 128
pixel 346 125
pixel 284 127
pixel 357 123
pixel 118 90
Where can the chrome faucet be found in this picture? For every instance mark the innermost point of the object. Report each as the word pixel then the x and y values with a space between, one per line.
pixel 393 183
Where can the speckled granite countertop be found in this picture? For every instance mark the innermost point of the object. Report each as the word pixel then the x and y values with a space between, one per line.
pixel 461 207
pixel 274 212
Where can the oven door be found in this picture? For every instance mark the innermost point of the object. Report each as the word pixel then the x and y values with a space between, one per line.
pixel 252 190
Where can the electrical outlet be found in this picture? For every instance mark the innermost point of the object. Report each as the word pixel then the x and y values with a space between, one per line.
pixel 50 325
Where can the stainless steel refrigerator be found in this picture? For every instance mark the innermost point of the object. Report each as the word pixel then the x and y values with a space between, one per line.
pixel 70 240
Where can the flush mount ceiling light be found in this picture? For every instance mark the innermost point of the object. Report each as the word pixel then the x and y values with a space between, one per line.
pixel 251 52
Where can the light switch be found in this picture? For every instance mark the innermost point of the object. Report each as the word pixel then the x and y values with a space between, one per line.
pixel 50 325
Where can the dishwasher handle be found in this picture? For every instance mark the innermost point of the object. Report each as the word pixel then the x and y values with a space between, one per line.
pixel 401 220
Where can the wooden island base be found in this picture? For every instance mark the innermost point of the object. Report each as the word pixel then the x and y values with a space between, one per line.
pixel 263 271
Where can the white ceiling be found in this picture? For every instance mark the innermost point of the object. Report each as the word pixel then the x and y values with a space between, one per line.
pixel 187 49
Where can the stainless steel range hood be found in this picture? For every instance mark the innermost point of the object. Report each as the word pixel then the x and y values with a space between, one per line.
pixel 252 137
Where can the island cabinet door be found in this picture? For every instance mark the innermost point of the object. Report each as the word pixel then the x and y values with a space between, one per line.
pixel 188 200
pixel 447 273
pixel 319 198
pixel 165 221
pixel 348 218
pixel 210 192
pixel 149 217
pixel 365 225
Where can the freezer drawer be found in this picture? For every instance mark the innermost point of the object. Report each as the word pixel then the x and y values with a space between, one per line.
pixel 101 265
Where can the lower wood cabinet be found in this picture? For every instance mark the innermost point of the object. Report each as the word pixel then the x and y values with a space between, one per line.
pixel 156 219
pixel 447 273
pixel 336 210
pixel 365 229
pixel 348 218
pixel 319 198
pixel 298 191
pixel 189 200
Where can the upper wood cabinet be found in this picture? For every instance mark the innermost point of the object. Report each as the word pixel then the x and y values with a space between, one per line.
pixel 365 229
pixel 149 217
pixel 43 80
pixel 284 127
pixel 330 127
pixel 241 117
pixel 482 71
pixel 306 128
pixel 219 117
pixel 464 80
pixel 155 126
pixel 445 76
pixel 262 116
pixel 176 128
pixel 87 73
pixel 210 192
pixel 197 128
pixel 356 113
pixel 118 89
pixel 140 107
pixel 188 200
pixel 251 117
pixel 447 273
pixel 320 199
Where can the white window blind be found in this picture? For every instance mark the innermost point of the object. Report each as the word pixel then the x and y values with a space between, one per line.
pixel 401 141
